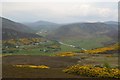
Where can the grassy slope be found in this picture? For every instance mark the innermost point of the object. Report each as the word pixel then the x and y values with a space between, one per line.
pixel 67 49
pixel 88 43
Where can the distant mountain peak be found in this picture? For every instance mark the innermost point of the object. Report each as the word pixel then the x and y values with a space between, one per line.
pixel 111 22
pixel 44 22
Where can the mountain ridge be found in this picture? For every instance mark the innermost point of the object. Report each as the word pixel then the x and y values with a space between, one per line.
pixel 83 30
pixel 12 30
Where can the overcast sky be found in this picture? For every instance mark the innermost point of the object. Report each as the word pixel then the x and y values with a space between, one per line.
pixel 60 12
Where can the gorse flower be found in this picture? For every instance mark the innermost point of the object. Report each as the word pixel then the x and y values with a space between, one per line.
pixel 33 66
pixel 102 50
pixel 66 54
pixel 92 71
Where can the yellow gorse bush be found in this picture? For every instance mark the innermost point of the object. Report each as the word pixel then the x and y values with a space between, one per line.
pixel 91 71
pixel 33 66
pixel 102 50
pixel 24 41
pixel 66 54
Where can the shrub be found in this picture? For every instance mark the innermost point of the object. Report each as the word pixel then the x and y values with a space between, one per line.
pixel 92 71
pixel 66 54
pixel 107 65
pixel 102 50
pixel 33 66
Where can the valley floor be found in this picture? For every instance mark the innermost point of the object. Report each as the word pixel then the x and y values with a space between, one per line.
pixel 56 64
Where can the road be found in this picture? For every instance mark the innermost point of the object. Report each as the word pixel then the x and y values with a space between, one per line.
pixel 70 45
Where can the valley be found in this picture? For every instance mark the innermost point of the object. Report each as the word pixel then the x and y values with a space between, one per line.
pixel 57 47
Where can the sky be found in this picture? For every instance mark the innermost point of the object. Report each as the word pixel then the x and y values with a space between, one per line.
pixel 60 12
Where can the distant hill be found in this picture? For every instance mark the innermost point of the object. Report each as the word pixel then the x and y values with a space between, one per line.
pixel 43 26
pixel 111 22
pixel 83 30
pixel 11 30
pixel 86 35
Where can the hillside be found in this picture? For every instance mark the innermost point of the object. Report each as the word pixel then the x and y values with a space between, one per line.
pixel 12 34
pixel 83 30
pixel 9 24
pixel 12 30
pixel 104 50
pixel 86 35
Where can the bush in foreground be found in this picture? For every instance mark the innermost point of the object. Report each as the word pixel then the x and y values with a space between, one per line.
pixel 92 71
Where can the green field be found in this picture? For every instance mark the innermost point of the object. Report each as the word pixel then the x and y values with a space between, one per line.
pixel 68 49
pixel 88 43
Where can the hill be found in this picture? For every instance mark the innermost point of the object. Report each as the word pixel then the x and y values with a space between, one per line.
pixel 83 30
pixel 9 24
pixel 111 22
pixel 12 34
pixel 86 35
pixel 41 26
pixel 12 30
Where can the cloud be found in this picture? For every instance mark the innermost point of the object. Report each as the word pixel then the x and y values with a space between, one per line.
pixel 59 0
pixel 61 11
